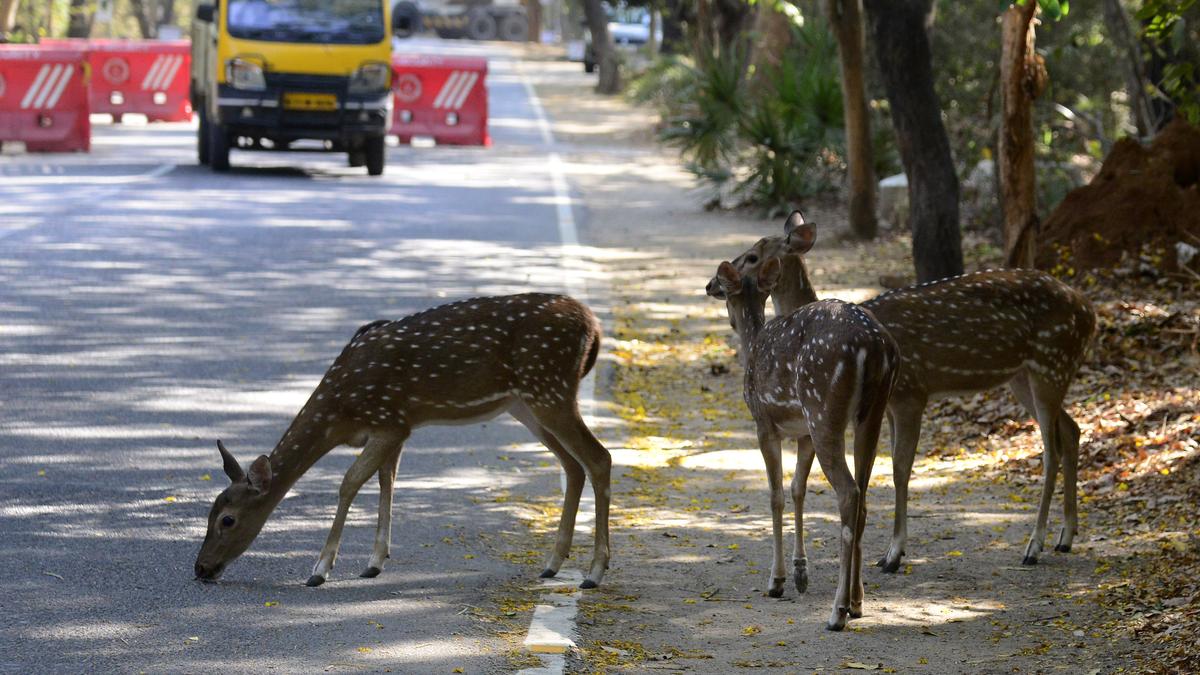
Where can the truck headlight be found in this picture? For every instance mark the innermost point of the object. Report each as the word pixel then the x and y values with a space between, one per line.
pixel 370 78
pixel 243 74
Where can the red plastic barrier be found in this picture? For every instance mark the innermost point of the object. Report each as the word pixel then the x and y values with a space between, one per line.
pixel 44 99
pixel 137 76
pixel 440 96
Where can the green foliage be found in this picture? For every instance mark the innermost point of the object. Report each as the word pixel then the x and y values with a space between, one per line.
pixel 1172 27
pixel 765 142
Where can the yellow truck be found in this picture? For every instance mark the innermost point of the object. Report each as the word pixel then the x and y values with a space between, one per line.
pixel 269 73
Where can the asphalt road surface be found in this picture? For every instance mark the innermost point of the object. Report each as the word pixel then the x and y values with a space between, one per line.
pixel 149 307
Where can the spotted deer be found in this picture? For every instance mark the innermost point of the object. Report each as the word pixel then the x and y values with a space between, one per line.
pixel 960 336
pixel 808 375
pixel 454 364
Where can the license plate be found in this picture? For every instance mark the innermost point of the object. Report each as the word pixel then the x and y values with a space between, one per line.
pixel 304 101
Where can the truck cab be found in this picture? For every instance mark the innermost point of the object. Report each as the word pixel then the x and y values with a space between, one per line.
pixel 269 73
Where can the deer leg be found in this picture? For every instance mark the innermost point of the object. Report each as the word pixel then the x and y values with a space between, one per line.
pixel 575 477
pixel 804 462
pixel 866 442
pixel 1068 437
pixel 383 529
pixel 1036 399
pixel 831 452
pixel 583 447
pixel 360 471
pixel 769 443
pixel 905 423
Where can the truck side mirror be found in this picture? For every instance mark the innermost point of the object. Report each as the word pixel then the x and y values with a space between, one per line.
pixel 205 13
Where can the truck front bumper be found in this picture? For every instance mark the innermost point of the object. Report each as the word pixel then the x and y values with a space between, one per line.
pixel 264 115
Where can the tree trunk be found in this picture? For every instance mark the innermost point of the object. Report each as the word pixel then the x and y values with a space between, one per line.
pixel 906 64
pixel 732 18
pixel 845 19
pixel 1135 70
pixel 702 32
pixel 168 13
pixel 1022 79
pixel 80 25
pixel 533 10
pixel 8 15
pixel 144 12
pixel 672 29
pixel 771 37
pixel 606 55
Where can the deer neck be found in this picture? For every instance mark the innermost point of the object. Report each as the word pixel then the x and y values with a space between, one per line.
pixel 793 290
pixel 308 438
pixel 750 320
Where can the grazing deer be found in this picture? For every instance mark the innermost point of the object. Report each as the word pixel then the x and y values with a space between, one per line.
pixel 454 364
pixel 959 336
pixel 808 374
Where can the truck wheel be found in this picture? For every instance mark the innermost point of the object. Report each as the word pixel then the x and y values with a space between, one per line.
pixel 218 147
pixel 375 153
pixel 514 27
pixel 202 135
pixel 481 26
pixel 406 19
pixel 589 66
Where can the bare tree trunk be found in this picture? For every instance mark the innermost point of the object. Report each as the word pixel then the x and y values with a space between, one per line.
pixel 771 37
pixel 845 18
pixel 732 18
pixel 1135 75
pixel 1022 79
pixel 80 25
pixel 8 15
pixel 168 12
pixel 533 10
pixel 606 55
pixel 673 37
pixel 898 32
pixel 144 12
pixel 702 32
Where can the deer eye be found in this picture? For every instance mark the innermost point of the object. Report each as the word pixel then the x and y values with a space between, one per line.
pixel 752 259
pixel 227 521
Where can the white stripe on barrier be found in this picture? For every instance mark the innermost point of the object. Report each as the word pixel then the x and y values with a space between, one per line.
pixel 170 76
pixel 472 78
pixel 68 71
pixel 153 73
pixel 451 82
pixel 37 84
pixel 50 82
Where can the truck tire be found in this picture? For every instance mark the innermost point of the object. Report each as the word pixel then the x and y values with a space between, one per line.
pixel 514 27
pixel 202 134
pixel 481 25
pixel 406 19
pixel 376 155
pixel 218 147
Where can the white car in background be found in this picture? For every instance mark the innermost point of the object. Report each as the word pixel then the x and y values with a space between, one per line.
pixel 629 28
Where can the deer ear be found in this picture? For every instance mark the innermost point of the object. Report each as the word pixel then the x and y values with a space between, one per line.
pixel 714 289
pixel 768 275
pixel 232 468
pixel 260 474
pixel 800 235
pixel 729 279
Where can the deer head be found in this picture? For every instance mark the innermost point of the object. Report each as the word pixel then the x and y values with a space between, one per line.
pixel 237 515
pixel 798 237
pixel 746 298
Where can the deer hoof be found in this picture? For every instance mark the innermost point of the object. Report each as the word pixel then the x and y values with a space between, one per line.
pixel 1063 548
pixel 856 613
pixel 547 574
pixel 314 581
pixel 588 584
pixel 370 572
pixel 1029 560
pixel 890 567
pixel 776 589
pixel 837 625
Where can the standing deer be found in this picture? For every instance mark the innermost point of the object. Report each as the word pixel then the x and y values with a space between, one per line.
pixel 455 364
pixel 808 374
pixel 960 336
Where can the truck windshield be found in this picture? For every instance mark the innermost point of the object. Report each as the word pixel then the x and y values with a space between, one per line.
pixel 323 21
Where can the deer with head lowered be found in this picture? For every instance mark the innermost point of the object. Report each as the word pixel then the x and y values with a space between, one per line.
pixel 459 363
pixel 959 336
pixel 808 375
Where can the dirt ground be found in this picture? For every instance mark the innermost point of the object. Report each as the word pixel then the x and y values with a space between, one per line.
pixel 691 546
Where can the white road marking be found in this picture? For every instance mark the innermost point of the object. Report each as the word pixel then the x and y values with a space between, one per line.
pixel 552 629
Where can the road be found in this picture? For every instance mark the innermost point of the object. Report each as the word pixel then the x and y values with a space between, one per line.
pixel 150 307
